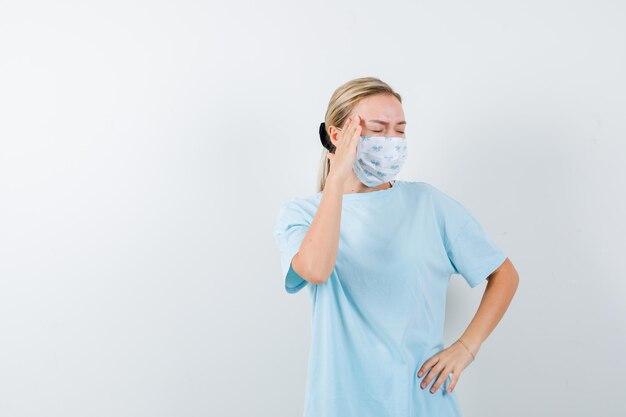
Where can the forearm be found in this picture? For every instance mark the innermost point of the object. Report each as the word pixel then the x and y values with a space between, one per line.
pixel 501 286
pixel 318 250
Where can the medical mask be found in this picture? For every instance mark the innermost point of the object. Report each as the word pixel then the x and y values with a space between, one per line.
pixel 379 159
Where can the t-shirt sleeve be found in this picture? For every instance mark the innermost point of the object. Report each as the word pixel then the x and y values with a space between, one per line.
pixel 289 232
pixel 472 253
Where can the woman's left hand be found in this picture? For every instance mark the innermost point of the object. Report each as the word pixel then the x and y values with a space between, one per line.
pixel 454 359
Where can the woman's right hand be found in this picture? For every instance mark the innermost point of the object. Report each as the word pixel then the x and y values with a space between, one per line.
pixel 342 161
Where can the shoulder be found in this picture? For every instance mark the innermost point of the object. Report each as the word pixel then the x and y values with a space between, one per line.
pixel 299 208
pixel 303 203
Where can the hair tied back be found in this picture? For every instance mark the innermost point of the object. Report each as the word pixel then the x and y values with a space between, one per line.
pixel 324 138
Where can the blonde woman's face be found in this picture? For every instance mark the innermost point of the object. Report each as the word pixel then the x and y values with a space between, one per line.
pixel 381 115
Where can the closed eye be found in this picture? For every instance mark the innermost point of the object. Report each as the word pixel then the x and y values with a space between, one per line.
pixel 378 131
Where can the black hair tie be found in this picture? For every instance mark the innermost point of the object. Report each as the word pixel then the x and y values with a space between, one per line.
pixel 325 139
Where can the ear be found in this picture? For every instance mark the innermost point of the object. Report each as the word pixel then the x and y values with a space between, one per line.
pixel 332 133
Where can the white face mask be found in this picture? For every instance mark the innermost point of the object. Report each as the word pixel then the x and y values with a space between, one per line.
pixel 379 159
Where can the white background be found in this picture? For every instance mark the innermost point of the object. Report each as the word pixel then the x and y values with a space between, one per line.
pixel 145 148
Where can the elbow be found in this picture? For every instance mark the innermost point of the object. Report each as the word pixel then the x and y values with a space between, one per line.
pixel 311 272
pixel 318 279
pixel 315 275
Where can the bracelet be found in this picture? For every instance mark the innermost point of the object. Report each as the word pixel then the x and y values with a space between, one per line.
pixel 467 348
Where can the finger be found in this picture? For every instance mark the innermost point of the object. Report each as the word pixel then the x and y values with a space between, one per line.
pixel 356 125
pixel 432 374
pixel 347 124
pixel 354 141
pixel 356 138
pixel 455 378
pixel 442 377
pixel 344 131
pixel 427 365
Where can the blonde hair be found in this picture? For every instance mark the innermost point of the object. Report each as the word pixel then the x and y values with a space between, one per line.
pixel 341 104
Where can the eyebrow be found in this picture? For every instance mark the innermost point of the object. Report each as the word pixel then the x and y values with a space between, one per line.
pixel 382 122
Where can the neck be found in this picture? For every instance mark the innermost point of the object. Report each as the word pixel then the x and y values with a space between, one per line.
pixel 354 185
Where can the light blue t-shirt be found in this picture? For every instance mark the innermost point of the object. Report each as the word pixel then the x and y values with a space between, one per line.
pixel 380 314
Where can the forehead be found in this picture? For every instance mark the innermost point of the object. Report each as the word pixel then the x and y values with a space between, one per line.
pixel 381 107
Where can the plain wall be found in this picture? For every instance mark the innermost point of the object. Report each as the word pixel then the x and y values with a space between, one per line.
pixel 145 148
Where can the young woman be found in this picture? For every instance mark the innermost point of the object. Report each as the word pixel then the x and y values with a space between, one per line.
pixel 376 254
